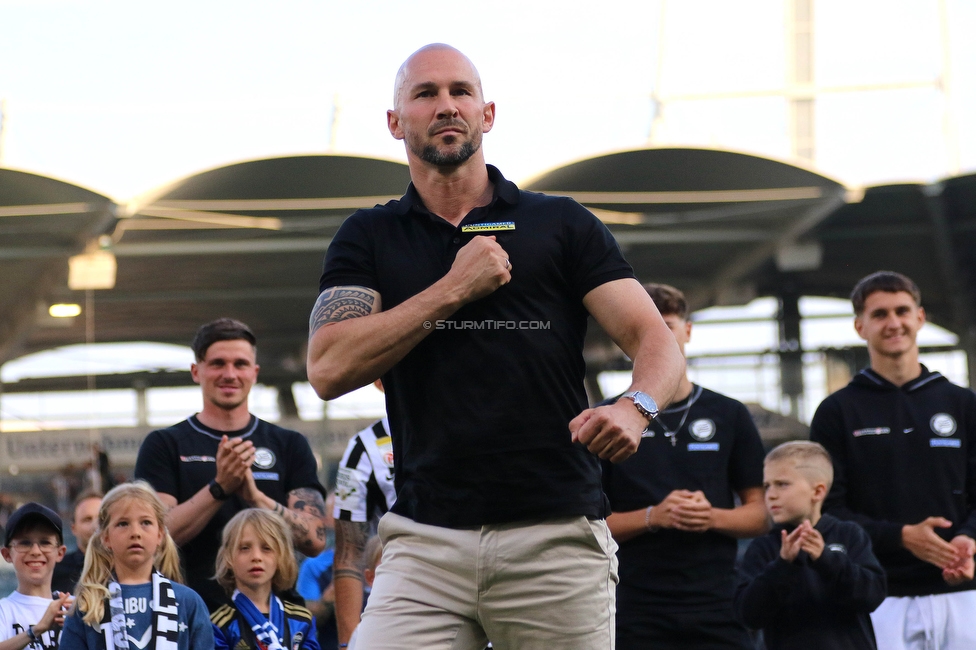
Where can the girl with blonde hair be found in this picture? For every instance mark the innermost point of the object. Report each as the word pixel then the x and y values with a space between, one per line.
pixel 254 561
pixel 130 588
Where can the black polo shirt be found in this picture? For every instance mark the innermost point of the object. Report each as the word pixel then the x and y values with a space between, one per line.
pixel 479 410
pixel 181 459
pixel 716 449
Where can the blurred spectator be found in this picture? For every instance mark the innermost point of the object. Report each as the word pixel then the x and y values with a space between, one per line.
pixel 315 585
pixel 84 521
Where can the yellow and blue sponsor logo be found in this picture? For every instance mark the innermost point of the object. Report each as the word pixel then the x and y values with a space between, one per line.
pixel 489 227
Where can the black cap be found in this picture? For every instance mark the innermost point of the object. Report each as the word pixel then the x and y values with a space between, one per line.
pixel 28 512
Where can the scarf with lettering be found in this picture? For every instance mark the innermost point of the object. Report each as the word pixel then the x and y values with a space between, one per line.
pixel 165 616
pixel 268 634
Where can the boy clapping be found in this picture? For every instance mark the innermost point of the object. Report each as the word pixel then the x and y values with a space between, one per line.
pixel 813 580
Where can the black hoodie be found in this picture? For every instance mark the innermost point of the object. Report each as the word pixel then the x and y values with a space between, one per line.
pixel 902 454
pixel 807 604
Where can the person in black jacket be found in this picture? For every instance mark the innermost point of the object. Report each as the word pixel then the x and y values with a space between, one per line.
pixel 903 441
pixel 812 582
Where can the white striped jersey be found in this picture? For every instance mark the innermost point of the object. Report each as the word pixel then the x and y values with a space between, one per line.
pixel 364 485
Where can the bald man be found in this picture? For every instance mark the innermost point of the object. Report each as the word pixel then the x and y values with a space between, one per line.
pixel 470 298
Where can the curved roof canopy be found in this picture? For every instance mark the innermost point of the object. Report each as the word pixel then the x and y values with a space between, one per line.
pixel 699 219
pixel 245 241
pixel 43 222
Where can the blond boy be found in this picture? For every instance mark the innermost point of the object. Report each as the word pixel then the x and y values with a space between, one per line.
pixel 813 580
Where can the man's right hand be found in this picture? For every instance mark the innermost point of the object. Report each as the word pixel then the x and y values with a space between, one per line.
pixel 234 457
pixel 923 542
pixel 480 268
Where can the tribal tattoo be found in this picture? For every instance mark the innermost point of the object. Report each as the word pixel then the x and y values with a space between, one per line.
pixel 340 303
pixel 350 558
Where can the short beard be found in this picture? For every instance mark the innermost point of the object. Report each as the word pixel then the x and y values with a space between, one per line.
pixel 432 155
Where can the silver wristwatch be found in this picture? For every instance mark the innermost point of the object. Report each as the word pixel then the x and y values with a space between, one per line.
pixel 644 403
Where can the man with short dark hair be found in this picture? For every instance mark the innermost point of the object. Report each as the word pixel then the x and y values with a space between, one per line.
pixel 223 459
pixel 470 298
pixel 675 516
pixel 84 521
pixel 903 441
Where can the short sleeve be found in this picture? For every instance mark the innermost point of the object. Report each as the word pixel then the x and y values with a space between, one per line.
pixel 352 479
pixel 201 629
pixel 594 256
pixel 746 463
pixel 6 625
pixel 350 260
pixel 309 584
pixel 157 464
pixel 301 471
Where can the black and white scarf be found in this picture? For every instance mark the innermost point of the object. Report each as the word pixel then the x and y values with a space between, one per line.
pixel 165 616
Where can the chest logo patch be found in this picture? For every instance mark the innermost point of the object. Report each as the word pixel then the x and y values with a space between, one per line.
pixel 385 446
pixel 488 227
pixel 943 424
pixel 703 429
pixel 264 458
pixel 837 548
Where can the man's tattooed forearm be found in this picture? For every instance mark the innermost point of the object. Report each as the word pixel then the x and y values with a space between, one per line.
pixel 308 500
pixel 339 303
pixel 351 539
pixel 347 573
pixel 306 509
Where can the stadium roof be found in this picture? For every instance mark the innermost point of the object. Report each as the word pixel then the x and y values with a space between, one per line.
pixel 244 241
pixel 247 241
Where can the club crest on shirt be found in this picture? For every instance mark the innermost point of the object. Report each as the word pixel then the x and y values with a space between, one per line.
pixel 264 458
pixel 385 445
pixel 837 548
pixel 943 424
pixel 703 429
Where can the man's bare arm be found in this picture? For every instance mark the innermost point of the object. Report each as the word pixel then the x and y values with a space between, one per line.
pixel 352 341
pixel 744 521
pixel 627 313
pixel 350 560
pixel 185 520
pixel 306 516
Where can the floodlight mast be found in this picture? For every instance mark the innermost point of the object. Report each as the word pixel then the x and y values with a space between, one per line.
pixel 801 91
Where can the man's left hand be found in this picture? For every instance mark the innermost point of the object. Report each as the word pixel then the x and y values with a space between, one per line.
pixel 249 491
pixel 693 515
pixel 611 432
pixel 963 568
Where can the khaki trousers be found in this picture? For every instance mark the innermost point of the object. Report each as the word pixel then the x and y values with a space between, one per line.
pixel 533 585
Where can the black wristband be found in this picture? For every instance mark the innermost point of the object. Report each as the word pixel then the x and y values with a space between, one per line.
pixel 217 492
pixel 30 635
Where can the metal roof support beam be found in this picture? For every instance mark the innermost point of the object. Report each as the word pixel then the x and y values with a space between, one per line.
pixel 740 267
pixel 952 276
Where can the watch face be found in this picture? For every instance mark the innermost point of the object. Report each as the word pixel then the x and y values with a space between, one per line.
pixel 647 403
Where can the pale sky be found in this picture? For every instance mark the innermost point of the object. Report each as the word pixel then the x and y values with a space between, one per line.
pixel 124 96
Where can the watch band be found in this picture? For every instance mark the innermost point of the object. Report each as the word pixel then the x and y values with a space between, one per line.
pixel 217 492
